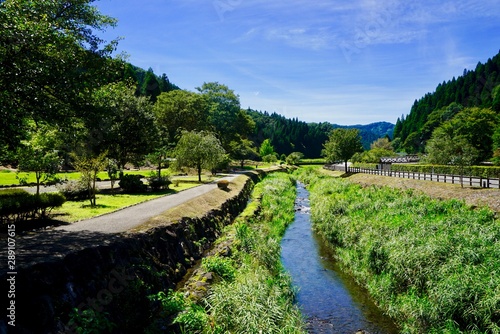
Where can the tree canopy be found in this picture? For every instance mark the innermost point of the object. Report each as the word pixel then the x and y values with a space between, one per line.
pixel 200 150
pixel 50 61
pixel 341 145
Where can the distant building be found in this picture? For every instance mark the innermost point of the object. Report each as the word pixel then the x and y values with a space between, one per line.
pixel 385 163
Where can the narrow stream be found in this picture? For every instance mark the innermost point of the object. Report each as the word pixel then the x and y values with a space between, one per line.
pixel 330 300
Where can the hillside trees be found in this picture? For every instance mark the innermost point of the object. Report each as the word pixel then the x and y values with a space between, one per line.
pixel 477 88
pixel 50 61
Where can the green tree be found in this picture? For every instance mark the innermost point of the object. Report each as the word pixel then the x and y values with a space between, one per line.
pixel 242 150
pixel 382 143
pixel 496 99
pixel 89 166
pixel 266 148
pixel 226 117
pixel 50 62
pixel 124 125
pixel 477 126
pixel 40 156
pixel 200 150
pixel 180 110
pixel 341 145
pixel 446 147
pixel 496 146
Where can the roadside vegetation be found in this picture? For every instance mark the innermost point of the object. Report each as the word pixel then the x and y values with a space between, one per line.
pixel 251 293
pixel 430 264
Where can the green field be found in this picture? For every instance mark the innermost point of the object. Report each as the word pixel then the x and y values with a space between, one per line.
pixel 9 178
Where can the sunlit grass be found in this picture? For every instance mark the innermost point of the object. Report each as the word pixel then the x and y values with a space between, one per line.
pixel 431 264
pixel 9 178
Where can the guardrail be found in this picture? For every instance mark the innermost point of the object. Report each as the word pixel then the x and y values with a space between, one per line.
pixel 466 180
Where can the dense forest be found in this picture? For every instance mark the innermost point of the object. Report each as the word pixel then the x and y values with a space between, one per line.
pixel 292 135
pixel 479 88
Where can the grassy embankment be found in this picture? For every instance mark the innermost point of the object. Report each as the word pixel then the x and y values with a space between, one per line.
pixel 433 265
pixel 251 293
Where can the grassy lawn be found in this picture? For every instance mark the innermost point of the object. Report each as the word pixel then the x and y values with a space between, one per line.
pixel 8 178
pixel 106 203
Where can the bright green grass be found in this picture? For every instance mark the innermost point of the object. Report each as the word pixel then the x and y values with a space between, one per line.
pixel 8 178
pixel 430 264
pixel 73 211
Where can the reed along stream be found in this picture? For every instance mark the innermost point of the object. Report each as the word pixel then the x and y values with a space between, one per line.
pixel 329 299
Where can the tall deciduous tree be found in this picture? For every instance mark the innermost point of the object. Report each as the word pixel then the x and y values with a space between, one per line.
pixel 266 148
pixel 179 110
pixel 124 125
pixel 39 155
pixel 226 117
pixel 200 150
pixel 341 145
pixel 50 61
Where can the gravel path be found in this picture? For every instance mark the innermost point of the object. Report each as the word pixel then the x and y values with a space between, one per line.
pixel 130 217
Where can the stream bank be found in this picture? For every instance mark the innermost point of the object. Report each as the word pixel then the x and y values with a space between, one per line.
pixel 329 299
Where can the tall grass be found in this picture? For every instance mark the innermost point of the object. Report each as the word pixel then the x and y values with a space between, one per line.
pixel 257 297
pixel 432 265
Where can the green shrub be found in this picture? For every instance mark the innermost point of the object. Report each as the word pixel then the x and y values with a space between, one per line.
pixel 221 266
pixel 16 205
pixel 193 319
pixel 171 302
pixel 48 201
pixel 19 205
pixel 74 190
pixel 159 183
pixel 132 184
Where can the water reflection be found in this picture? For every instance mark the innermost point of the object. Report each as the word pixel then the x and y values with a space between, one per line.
pixel 330 300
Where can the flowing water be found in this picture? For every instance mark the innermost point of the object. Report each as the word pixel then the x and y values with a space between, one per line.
pixel 330 300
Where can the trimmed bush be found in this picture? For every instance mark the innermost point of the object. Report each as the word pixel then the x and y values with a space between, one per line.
pixel 159 183
pixel 19 205
pixel 223 184
pixel 74 190
pixel 132 184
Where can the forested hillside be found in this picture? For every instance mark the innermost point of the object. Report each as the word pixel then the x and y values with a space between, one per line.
pixel 478 88
pixel 292 135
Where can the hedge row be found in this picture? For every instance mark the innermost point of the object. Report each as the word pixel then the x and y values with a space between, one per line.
pixel 18 205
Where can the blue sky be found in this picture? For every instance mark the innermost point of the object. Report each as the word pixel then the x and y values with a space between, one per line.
pixel 345 62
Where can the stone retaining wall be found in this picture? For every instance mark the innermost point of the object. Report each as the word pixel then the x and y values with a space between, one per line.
pixel 112 275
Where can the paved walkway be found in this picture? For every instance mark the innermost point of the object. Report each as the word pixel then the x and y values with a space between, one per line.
pixel 130 217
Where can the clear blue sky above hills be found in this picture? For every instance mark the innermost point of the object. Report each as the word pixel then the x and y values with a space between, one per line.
pixel 345 61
